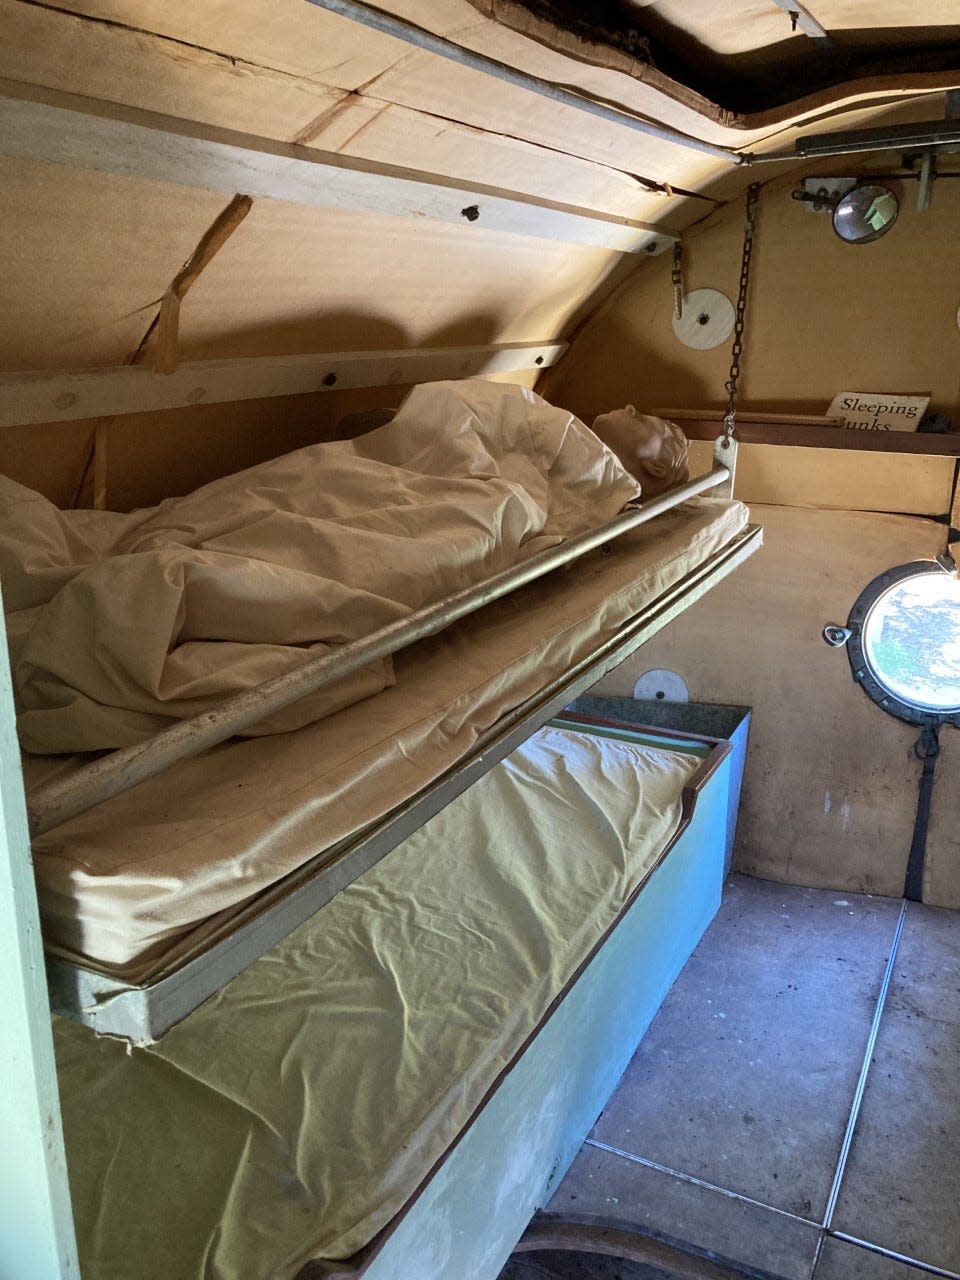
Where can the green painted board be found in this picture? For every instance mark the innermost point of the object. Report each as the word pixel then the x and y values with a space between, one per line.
pixel 36 1225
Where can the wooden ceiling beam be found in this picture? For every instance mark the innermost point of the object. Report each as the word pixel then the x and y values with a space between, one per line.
pixel 61 128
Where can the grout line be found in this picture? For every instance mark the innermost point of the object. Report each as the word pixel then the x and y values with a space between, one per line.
pixel 928 1267
pixel 699 1182
pixel 862 1078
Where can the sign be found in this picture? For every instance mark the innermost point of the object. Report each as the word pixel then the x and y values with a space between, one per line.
pixel 877 411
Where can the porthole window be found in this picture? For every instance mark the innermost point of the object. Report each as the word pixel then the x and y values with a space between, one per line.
pixel 904 642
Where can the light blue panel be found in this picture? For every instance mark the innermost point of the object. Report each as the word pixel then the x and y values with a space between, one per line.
pixel 737 763
pixel 474 1210
pixel 36 1226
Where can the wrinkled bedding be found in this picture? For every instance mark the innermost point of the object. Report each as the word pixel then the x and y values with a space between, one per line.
pixel 292 1115
pixel 120 624
pixel 142 880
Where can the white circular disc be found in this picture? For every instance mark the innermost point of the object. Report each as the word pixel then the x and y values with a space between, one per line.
pixel 707 319
pixel 662 686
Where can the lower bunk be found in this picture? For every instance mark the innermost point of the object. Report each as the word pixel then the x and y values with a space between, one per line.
pixel 395 1088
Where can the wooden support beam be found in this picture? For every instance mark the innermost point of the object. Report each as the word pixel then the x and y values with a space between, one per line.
pixel 212 241
pixel 770 431
pixel 100 438
pixel 86 133
pixel 76 394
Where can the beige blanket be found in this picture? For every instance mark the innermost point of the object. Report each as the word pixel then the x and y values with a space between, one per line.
pixel 293 1114
pixel 138 881
pixel 120 624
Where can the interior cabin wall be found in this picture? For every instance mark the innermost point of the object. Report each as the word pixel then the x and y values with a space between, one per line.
pixel 823 316
pixel 152 456
pixel 830 788
pixel 831 783
pixel 91 254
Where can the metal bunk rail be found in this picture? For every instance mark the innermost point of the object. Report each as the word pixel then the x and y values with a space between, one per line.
pixel 65 798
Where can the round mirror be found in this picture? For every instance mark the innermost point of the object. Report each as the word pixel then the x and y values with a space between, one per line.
pixel 866 213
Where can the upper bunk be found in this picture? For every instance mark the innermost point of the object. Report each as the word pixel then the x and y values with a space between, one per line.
pixel 266 604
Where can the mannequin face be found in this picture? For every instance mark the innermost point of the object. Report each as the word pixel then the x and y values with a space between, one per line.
pixel 632 436
pixel 653 450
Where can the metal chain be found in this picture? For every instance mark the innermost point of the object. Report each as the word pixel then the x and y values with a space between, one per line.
pixel 677 278
pixel 753 197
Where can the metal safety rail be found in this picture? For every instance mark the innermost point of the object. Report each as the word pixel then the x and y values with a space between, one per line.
pixel 56 802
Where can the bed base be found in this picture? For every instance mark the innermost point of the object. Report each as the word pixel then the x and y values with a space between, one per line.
pixel 472 1208
pixel 142 1013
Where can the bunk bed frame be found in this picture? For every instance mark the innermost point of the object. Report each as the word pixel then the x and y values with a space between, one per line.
pixel 142 1013
pixel 37 1202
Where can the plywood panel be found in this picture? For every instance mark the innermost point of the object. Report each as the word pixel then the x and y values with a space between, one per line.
pixel 831 786
pixel 823 316
pixel 399 135
pixel 85 257
pixel 49 457
pixel 152 456
pixel 61 51
pixel 446 89
pixel 285 35
pixel 795 477
pixel 159 455
pixel 297 279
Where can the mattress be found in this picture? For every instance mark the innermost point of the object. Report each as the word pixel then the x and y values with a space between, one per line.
pixel 135 882
pixel 296 1112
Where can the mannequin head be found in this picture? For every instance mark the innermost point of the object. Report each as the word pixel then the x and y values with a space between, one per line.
pixel 653 450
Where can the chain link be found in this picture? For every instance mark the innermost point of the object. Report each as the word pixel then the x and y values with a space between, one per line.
pixel 677 277
pixel 753 197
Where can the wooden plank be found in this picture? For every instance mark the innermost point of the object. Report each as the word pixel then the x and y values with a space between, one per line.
pixel 849 480
pixel 75 394
pixel 62 128
pixel 211 242
pixel 100 439
pixel 36 1227
pixel 769 431
pixel 712 415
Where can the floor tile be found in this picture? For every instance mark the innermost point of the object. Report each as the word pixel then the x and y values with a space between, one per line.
pixel 610 1186
pixel 902 1187
pixel 746 1076
pixel 842 1261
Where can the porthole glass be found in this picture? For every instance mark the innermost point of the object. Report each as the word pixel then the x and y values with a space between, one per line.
pixel 911 639
pixel 904 644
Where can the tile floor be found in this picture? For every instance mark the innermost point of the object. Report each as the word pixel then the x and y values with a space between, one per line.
pixel 794 1110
